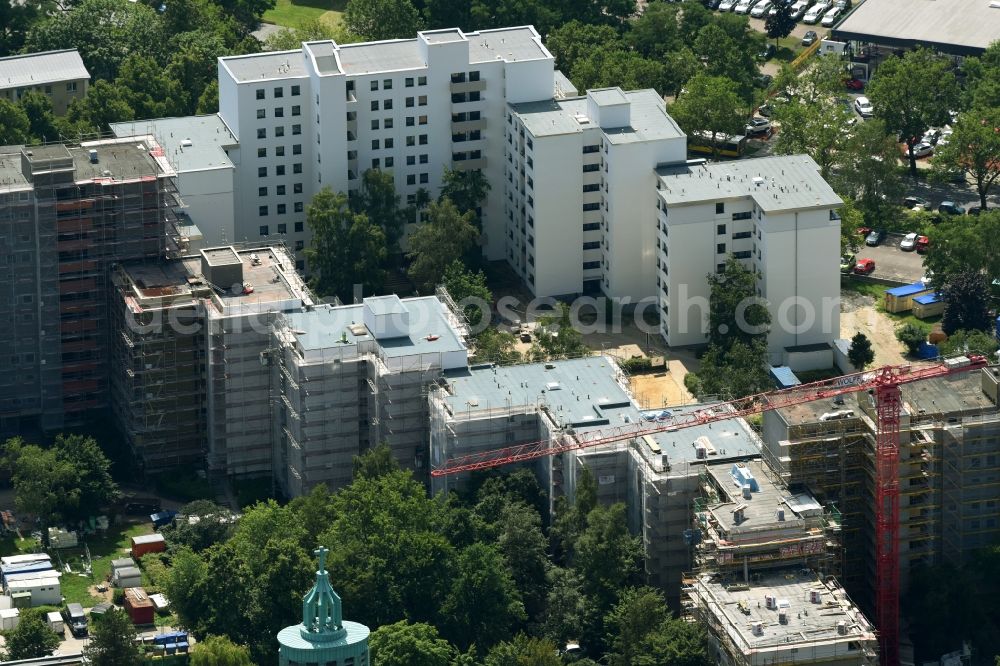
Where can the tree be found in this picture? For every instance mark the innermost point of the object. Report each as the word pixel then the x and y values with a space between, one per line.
pixel 448 14
pixel 105 103
pixel 16 18
pixel 860 353
pixel 966 342
pixel 382 19
pixel 149 91
pixel 605 67
pixel 974 149
pixel 405 644
pixel 711 106
pixel 42 122
pixel 851 219
pixel 15 126
pixel 912 335
pixel 31 638
pixel 434 245
pixel 346 248
pixel 112 641
pixel 608 558
pixel 466 189
pixel 378 200
pixel 966 303
pixel 963 244
pixel 739 371
pixel 869 173
pixel 913 92
pixel 557 337
pixel 678 643
pixel 780 24
pixel 483 605
pixel 524 650
pixel 573 41
pixel 495 346
pixel 657 31
pixel 566 608
pixel 246 12
pixel 728 46
pixel 639 612
pixel 463 284
pixel 736 313
pixel 220 651
pixel 982 78
pixel 287 39
pixel 212 524
pixel 502 13
pixel 374 463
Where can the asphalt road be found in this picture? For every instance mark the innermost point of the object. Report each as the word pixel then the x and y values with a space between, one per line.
pixel 891 262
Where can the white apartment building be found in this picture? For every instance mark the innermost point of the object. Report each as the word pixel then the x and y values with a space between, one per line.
pixel 326 113
pixel 591 160
pixel 779 217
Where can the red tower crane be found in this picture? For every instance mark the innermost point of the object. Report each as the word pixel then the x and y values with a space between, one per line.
pixel 883 383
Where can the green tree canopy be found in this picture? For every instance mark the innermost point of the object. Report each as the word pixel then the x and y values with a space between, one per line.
pixel 15 126
pixel 463 284
pixel 524 650
pixel 378 200
pixel 913 92
pixel 220 651
pixel 966 303
pixel 712 106
pixel 780 24
pixel 969 342
pixel 382 19
pixel 639 612
pixel 42 122
pixel 433 246
pixel 868 172
pixel 912 335
pixel 735 312
pixel 739 371
pixel 974 149
pixel 112 641
pixel 31 638
pixel 573 41
pixel 405 644
pixel 860 353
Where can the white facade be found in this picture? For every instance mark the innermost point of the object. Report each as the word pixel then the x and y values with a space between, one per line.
pixel 326 113
pixel 589 159
pixel 778 216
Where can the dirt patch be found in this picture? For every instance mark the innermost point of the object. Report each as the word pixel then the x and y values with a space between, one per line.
pixel 859 314
pixel 661 389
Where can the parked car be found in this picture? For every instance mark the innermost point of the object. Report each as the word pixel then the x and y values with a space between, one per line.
pixel 916 203
pixel 743 6
pixel 809 38
pixel 758 126
pixel 760 9
pixel 923 242
pixel 864 107
pixel 976 210
pixel 768 51
pixel 847 263
pixel 923 149
pixel 951 208
pixel 931 136
pixel 864 231
pixel 864 267
pixel 799 8
pixel 875 237
pixel 945 137
pixel 75 619
pixel 763 80
pixel 727 5
pixel 854 84
pixel 815 12
pixel 830 17
pixel 909 243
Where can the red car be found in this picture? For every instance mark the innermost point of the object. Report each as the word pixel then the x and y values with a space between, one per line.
pixel 854 84
pixel 923 242
pixel 864 266
pixel 864 231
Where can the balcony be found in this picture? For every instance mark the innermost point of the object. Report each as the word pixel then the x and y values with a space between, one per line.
pixel 467 86
pixel 469 165
pixel 468 125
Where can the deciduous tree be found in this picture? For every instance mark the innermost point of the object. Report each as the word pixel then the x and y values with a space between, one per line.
pixel 15 126
pixel 974 149
pixel 524 650
pixel 42 123
pixel 112 641
pixel 434 245
pixel 406 644
pixel 382 19
pixel 711 106
pixel 735 312
pixel 31 638
pixel 466 189
pixel 970 342
pixel 378 200
pixel 220 651
pixel 868 172
pixel 966 303
pixel 573 41
pixel 464 285
pixel 779 24
pixel 912 335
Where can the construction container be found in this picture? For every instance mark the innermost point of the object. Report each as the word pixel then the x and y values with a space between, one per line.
pixel 126 577
pixel 928 305
pixel 55 622
pixel 9 618
pixel 147 543
pixel 122 563
pixel 900 299
pixel 44 590
pixel 138 606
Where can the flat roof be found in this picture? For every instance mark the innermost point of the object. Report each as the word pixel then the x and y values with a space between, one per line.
pixel 431 330
pixel 587 393
pixel 125 159
pixel 266 66
pixel 784 182
pixel 221 256
pixel 11 176
pixel 563 86
pixel 190 143
pixel 738 606
pixel 35 69
pixel 374 57
pixel 272 277
pixel 648 117
pixel 443 36
pixel 958 26
pixel 928 299
pixel 908 289
pixel 760 510
pixel 784 375
pixel 608 96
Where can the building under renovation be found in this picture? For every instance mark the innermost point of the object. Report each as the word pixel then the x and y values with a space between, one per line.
pixel 68 213
pixel 949 472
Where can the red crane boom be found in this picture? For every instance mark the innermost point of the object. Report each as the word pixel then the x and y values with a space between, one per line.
pixel 883 382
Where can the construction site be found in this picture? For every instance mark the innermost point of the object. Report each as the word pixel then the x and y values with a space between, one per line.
pixel 67 214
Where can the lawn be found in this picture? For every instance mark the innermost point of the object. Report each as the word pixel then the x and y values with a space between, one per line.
pixel 298 13
pixel 877 292
pixel 75 584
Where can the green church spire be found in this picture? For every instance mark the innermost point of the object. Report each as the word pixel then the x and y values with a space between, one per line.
pixel 322 616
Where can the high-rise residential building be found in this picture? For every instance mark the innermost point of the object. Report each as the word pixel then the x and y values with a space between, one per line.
pixel 775 214
pixel 59 75
pixel 67 215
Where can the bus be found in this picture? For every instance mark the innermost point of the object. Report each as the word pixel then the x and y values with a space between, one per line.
pixel 728 145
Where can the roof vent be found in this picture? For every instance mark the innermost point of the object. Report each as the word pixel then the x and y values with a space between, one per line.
pixel 186 143
pixel 758 181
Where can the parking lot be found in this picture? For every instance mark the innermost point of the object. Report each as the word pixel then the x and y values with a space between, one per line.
pixel 891 263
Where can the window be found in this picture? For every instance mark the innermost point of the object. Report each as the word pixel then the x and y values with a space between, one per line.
pixel 389 143
pixel 299 245
pixel 374 123
pixel 593 187
pixel 279 170
pixel 389 162
pixel 720 229
pixel 279 92
pixel 279 151
pixel 474 96
pixel 411 141
pixel 296 130
pixel 376 163
pixel 375 144
pixel 423 158
pixel 720 248
pixel 411 179
pixel 261 172
pixel 262 152
pixel 280 190
pixel 474 75
pixel 410 121
pixel 261 113
pixel 720 208
pixel 411 160
pixel 742 216
pixel 282 209
pixel 263 230
pixel 742 255
pixel 260 93
pixel 262 211
pixel 295 91
pixel 591 149
pixel 374 105
pixel 297 167
pixel 279 130
pixel 71 87
pixel 591 206
pixel 261 133
pixel 297 149
pixel 421 80
pixel 279 112
pixel 299 227
pixel 720 268
pixel 374 85
pixel 387 123
pixel 742 234
pixel 282 228
pixel 408 82
pixel 409 102
pixel 262 191
pixel 387 84
pixel 458 77
pixel 297 188
pixel 423 140
pixel 592 245
pixel 298 206
pixel 423 179
pixel 589 168
pixel 387 104
pixel 590 265
pixel 592 226
pixel 423 120
pixel 296 110
pixel 422 100
pixel 300 264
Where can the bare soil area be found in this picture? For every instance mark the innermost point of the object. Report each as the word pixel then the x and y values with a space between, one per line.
pixel 859 314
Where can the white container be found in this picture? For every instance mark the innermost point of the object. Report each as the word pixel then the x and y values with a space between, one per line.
pixel 9 618
pixel 55 621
